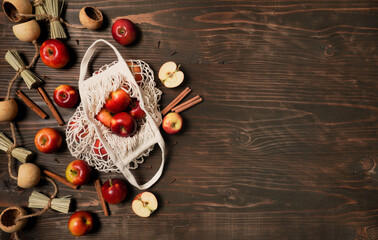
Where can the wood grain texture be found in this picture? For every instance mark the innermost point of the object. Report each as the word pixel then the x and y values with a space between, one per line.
pixel 284 145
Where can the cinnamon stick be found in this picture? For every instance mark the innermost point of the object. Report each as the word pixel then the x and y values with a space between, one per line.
pixel 176 100
pixel 59 178
pixel 185 103
pixel 189 105
pixel 97 184
pixel 31 104
pixel 49 104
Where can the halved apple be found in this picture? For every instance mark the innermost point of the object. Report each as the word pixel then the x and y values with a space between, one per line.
pixel 170 75
pixel 144 204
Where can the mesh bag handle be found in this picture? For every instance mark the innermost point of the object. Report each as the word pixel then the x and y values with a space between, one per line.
pixel 159 139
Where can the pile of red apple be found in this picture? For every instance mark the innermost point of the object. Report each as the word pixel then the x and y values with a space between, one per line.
pixel 120 113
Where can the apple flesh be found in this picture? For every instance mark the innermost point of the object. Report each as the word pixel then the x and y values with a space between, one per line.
pixel 114 191
pixel 123 124
pixel 172 123
pixel 124 31
pixel 144 204
pixel 78 172
pixel 136 111
pixel 105 117
pixel 48 140
pixel 66 96
pixel 54 53
pixel 117 101
pixel 80 223
pixel 170 75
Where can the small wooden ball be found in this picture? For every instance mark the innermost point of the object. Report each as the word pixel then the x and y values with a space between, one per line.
pixel 12 8
pixel 8 218
pixel 91 18
pixel 29 175
pixel 27 31
pixel 8 110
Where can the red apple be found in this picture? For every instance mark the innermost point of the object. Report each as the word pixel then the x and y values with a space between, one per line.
pixel 80 223
pixel 117 101
pixel 123 124
pixel 172 123
pixel 124 31
pixel 78 172
pixel 136 111
pixel 137 72
pixel 54 53
pixel 66 96
pixel 114 191
pixel 144 204
pixel 99 150
pixel 48 140
pixel 105 117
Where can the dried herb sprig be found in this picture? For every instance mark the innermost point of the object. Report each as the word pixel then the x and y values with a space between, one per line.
pixel 14 59
pixel 20 153
pixel 54 9
pixel 39 200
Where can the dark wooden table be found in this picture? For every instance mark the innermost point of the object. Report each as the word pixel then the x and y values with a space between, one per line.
pixel 284 145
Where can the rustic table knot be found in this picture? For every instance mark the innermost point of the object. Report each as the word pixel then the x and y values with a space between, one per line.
pixel 241 138
pixel 329 50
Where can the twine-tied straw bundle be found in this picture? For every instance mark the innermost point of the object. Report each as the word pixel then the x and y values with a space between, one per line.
pixel 20 153
pixel 31 79
pixel 54 9
pixel 39 200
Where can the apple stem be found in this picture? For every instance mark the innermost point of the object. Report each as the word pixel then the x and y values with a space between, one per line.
pixel 110 182
pixel 51 52
pixel 73 172
pixel 121 31
pixel 43 141
pixel 63 95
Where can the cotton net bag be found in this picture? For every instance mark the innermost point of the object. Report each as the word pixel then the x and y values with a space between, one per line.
pixel 90 140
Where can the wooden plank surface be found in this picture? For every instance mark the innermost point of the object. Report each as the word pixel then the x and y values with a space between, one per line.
pixel 284 145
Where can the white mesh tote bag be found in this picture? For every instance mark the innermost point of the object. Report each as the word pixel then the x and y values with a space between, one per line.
pixel 90 140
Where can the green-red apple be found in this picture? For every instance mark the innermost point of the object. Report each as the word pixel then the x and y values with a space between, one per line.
pixel 80 223
pixel 78 172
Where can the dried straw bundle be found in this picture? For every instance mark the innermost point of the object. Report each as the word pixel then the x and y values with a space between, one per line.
pixel 54 9
pixel 39 200
pixel 14 59
pixel 39 9
pixel 21 154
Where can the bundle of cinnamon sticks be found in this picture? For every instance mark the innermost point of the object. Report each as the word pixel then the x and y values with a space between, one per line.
pixel 183 106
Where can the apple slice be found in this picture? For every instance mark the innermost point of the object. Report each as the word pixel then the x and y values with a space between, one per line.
pixel 144 204
pixel 170 75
